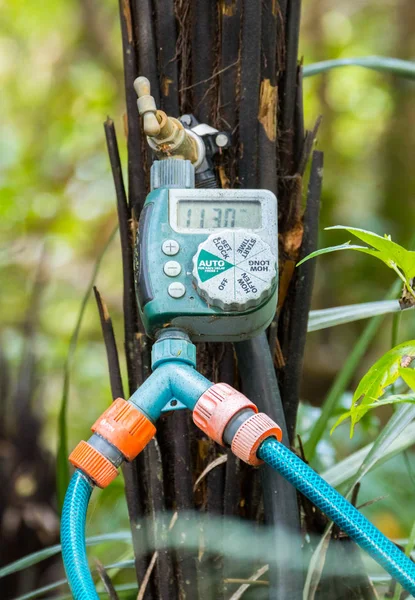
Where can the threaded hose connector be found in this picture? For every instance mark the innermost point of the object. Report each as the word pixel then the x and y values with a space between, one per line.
pixel 251 434
pixel 217 407
pixel 125 427
pixel 120 433
pixel 94 464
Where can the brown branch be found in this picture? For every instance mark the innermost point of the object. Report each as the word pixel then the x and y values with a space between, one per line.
pixel 110 347
pixel 106 580
pixel 295 313
pixel 129 302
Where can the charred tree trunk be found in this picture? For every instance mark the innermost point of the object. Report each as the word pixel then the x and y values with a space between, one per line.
pixel 233 64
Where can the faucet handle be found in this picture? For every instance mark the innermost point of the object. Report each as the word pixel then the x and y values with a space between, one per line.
pixel 146 106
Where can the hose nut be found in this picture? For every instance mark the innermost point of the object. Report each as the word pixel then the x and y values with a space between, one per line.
pixel 91 462
pixel 125 427
pixel 216 407
pixel 251 434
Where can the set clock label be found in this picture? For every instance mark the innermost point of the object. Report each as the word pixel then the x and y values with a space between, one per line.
pixel 234 270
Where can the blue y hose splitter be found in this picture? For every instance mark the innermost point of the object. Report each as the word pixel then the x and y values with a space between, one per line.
pixel 226 416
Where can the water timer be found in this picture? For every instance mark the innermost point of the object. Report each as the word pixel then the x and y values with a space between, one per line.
pixel 206 259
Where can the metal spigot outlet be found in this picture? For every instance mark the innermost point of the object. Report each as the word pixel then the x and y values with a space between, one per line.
pixel 166 135
pixel 146 106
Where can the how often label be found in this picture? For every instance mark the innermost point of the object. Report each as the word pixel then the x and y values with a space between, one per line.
pixel 234 270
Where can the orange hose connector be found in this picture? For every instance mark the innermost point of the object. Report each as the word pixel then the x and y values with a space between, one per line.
pixel 125 427
pixel 94 464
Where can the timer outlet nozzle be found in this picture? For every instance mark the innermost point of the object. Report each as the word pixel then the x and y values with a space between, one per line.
pixel 166 135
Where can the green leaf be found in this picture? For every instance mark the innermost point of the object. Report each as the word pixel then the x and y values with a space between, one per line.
pixel 408 375
pixel 346 246
pixel 372 386
pixel 394 399
pixel 396 257
pixel 62 464
pixel 395 66
pixel 340 420
pixel 390 250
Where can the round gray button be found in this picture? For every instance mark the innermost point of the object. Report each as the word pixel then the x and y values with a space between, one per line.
pixel 172 268
pixel 176 290
pixel 170 247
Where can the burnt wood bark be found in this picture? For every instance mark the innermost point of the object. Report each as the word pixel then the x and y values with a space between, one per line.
pixel 233 64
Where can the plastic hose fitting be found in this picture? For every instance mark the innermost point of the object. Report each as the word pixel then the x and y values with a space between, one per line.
pixel 217 407
pixel 250 436
pixel 123 429
pixel 93 463
pixel 230 418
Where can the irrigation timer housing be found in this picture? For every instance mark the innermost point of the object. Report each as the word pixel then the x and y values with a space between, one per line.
pixel 206 259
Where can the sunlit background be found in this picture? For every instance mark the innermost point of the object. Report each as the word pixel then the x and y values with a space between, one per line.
pixel 60 76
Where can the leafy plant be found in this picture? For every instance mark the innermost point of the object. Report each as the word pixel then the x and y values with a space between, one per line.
pixel 396 257
pixel 381 375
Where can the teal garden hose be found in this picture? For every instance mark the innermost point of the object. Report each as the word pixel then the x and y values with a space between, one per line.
pixel 73 537
pixel 293 469
pixel 346 516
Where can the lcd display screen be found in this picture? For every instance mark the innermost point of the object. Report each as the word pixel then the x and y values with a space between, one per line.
pixel 205 214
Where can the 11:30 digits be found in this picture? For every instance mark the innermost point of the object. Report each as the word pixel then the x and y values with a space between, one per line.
pixel 212 218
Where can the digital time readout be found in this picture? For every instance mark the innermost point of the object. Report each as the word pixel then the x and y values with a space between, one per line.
pixel 219 215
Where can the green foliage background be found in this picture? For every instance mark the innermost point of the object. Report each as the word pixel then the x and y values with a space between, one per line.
pixel 61 75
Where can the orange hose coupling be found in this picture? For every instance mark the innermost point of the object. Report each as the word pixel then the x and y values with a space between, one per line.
pixel 94 464
pixel 251 434
pixel 216 407
pixel 125 427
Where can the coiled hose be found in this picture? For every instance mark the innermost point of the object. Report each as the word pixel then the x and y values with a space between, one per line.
pixel 73 537
pixel 346 516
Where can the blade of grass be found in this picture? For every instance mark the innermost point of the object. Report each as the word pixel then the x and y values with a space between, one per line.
pixel 122 587
pixel 126 587
pixel 240 591
pixel 395 66
pixel 62 465
pixel 37 557
pixel 330 317
pixel 411 542
pixel 344 377
pixel 408 549
pixel 63 582
pixel 343 471
pixel 395 329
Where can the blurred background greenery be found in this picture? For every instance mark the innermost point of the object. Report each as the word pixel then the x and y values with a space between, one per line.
pixel 60 76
